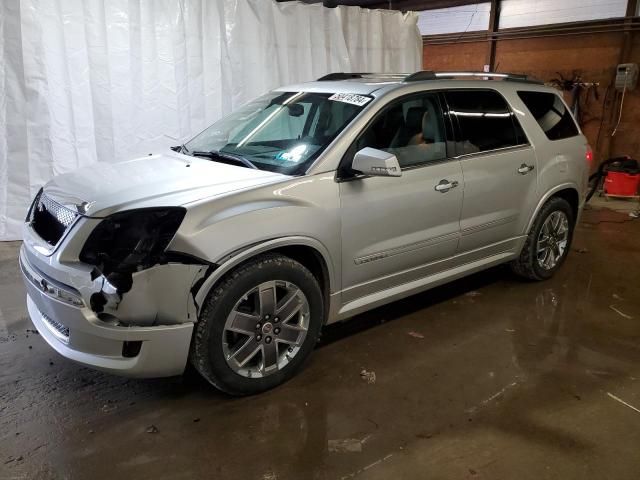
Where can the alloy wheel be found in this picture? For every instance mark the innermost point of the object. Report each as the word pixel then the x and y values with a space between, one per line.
pixel 265 329
pixel 552 240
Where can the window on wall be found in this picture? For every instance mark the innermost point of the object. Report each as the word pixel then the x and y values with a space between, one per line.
pixel 485 121
pixel 525 13
pixel 466 18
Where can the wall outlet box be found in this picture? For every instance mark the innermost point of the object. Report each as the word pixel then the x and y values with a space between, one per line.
pixel 626 74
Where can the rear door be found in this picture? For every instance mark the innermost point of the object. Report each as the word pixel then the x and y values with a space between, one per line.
pixel 499 169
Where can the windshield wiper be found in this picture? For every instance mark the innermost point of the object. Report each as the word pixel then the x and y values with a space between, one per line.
pixel 213 154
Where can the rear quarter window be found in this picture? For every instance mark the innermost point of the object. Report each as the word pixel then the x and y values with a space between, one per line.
pixel 551 114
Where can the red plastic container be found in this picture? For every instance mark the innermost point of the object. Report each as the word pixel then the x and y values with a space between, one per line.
pixel 622 184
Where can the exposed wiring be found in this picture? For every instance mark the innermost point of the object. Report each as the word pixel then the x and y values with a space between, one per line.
pixel 469 25
pixel 576 87
pixel 604 106
pixel 624 89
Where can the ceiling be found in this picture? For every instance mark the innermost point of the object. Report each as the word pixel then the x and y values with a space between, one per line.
pixel 393 4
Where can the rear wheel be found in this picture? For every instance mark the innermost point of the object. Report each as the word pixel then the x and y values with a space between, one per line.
pixel 258 325
pixel 548 242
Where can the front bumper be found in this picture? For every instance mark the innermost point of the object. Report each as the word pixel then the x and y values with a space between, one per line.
pixel 70 327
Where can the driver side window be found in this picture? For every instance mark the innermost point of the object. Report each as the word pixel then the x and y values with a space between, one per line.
pixel 412 129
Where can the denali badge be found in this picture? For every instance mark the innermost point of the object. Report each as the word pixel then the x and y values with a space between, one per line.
pixel 384 170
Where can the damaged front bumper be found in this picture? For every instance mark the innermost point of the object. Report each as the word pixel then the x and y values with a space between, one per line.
pixel 146 333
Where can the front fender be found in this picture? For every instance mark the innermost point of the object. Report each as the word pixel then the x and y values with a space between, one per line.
pixel 249 252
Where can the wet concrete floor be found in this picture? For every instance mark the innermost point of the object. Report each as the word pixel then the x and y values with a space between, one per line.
pixel 486 378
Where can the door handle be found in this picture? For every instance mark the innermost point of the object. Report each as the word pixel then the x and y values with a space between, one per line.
pixel 445 185
pixel 524 169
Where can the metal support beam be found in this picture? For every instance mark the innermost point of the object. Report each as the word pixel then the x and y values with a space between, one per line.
pixel 418 5
pixel 403 5
pixel 494 19
pixel 625 49
pixel 614 25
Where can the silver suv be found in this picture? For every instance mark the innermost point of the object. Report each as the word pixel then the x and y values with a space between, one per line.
pixel 308 205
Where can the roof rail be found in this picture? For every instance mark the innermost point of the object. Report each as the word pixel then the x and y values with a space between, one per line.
pixel 430 75
pixel 341 76
pixel 422 75
pixel 348 76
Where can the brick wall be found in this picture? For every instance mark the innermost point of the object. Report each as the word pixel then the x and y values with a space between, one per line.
pixel 594 57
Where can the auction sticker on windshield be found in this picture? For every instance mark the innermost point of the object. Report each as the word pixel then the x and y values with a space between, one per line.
pixel 351 98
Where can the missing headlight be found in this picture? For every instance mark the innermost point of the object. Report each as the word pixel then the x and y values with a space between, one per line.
pixel 131 241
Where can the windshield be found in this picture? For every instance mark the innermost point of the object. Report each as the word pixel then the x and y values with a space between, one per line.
pixel 282 131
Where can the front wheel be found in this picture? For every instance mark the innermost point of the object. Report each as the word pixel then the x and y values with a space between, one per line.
pixel 548 242
pixel 258 325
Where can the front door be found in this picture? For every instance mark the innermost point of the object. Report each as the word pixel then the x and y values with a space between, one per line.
pixel 394 229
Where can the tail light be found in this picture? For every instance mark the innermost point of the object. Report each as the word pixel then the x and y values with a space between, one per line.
pixel 589 156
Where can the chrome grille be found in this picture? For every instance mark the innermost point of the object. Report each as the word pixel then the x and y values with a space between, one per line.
pixel 58 329
pixel 64 215
pixel 49 219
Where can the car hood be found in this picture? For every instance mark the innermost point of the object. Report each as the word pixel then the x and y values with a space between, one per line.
pixel 168 179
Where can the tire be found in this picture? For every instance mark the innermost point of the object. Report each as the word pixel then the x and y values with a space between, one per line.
pixel 528 264
pixel 237 304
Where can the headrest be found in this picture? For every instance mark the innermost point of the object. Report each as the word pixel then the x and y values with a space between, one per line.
pixel 394 118
pixel 414 118
pixel 430 124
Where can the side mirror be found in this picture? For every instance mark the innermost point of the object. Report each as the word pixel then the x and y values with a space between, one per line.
pixel 377 163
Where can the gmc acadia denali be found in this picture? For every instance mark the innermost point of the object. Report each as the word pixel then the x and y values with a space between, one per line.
pixel 308 205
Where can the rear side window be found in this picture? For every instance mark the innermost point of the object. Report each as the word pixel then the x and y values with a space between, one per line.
pixel 551 114
pixel 485 121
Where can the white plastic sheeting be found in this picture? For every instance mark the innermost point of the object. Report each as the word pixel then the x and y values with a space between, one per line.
pixel 103 80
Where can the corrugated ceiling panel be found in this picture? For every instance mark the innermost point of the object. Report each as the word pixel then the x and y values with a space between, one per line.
pixel 467 18
pixel 524 13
